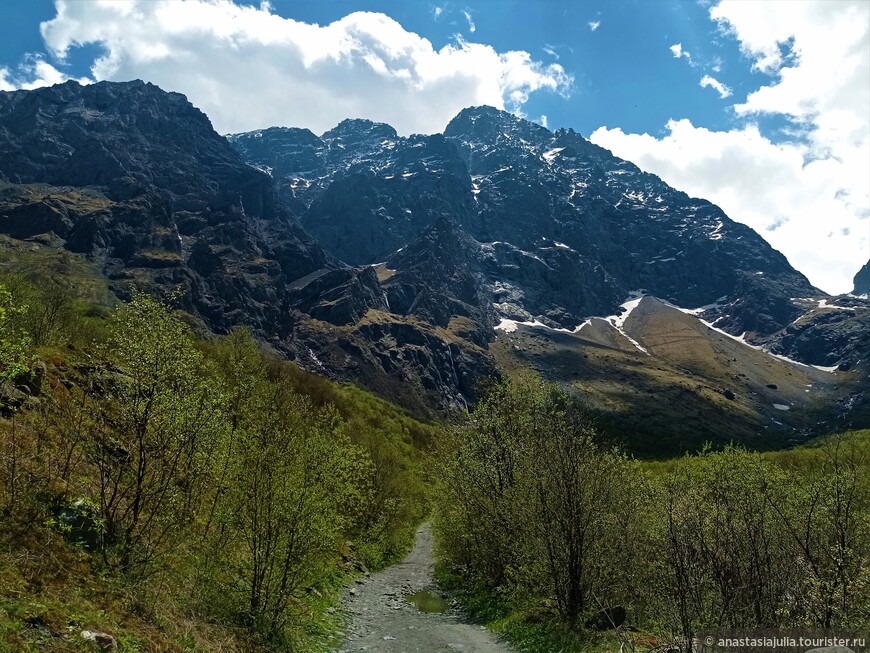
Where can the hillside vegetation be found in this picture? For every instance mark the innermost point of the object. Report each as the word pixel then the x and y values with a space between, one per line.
pixel 178 493
pixel 553 537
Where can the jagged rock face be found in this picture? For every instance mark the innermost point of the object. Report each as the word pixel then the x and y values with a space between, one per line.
pixel 362 190
pixel 415 328
pixel 128 137
pixel 564 229
pixel 503 219
pixel 339 297
pixel 571 205
pixel 438 277
pixel 137 178
pixel 831 332
pixel 862 281
pixel 416 366
pixel 497 218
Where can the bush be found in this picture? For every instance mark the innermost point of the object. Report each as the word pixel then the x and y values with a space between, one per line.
pixel 531 503
pixel 14 340
pixel 240 481
pixel 534 509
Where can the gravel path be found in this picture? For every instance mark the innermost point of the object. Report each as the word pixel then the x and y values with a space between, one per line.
pixel 382 620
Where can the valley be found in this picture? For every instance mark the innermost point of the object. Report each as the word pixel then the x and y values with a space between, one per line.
pixel 237 373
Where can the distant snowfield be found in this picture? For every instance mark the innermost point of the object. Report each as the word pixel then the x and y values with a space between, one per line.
pixel 509 326
pixel 823 303
pixel 618 321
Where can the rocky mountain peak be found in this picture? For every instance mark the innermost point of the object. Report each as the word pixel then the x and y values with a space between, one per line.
pixel 128 137
pixel 280 150
pixel 488 124
pixel 862 281
pixel 566 228
pixel 353 132
pixel 430 241
pixel 137 179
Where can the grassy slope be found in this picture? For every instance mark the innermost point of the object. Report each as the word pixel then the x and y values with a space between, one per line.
pixel 50 590
pixel 674 399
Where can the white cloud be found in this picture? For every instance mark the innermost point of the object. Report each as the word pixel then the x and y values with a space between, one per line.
pixel 5 84
pixel 594 24
pixel 810 198
pixel 723 90
pixel 471 26
pixel 826 89
pixel 678 52
pixel 34 73
pixel 807 210
pixel 249 68
pixel 543 120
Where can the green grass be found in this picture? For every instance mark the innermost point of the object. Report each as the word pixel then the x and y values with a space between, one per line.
pixel 802 455
pixel 533 627
pixel 670 402
pixel 51 591
pixel 528 629
pixel 36 262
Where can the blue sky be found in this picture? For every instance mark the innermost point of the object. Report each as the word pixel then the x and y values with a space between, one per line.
pixel 777 135
pixel 624 72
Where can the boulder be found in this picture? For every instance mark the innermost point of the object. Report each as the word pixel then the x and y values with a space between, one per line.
pixel 103 641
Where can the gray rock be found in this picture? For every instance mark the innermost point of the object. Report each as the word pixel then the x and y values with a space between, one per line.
pixel 862 280
pixel 103 641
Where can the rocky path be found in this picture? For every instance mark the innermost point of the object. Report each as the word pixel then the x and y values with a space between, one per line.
pixel 383 620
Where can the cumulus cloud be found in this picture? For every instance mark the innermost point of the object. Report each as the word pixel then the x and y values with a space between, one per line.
pixel 471 26
pixel 799 207
pixel 808 196
pixel 594 24
pixel 723 90
pixel 249 68
pixel 824 87
pixel 5 83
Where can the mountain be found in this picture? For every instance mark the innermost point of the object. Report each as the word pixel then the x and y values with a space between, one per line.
pixel 417 266
pixel 862 280
pixel 569 229
pixel 522 226
pixel 137 178
pixel 360 187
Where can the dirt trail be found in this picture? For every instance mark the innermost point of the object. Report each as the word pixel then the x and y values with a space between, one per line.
pixel 381 619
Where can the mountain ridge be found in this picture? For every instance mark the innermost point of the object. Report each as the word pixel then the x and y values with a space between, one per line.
pixel 386 260
pixel 546 173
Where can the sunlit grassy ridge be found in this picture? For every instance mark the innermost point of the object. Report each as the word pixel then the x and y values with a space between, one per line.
pixel 692 385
